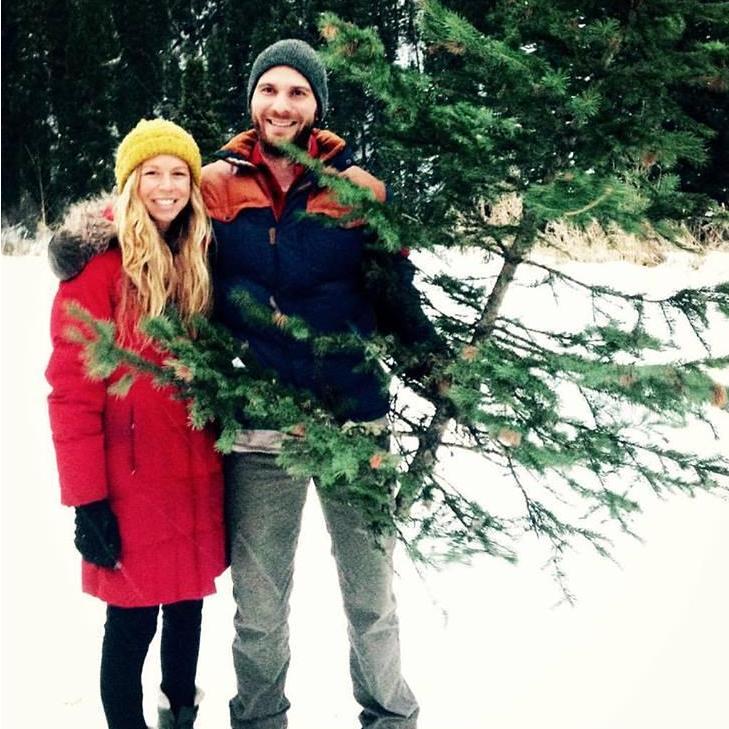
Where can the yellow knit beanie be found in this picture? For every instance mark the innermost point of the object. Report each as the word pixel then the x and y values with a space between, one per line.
pixel 150 138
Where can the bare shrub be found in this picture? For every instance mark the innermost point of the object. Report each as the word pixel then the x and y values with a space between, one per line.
pixel 17 240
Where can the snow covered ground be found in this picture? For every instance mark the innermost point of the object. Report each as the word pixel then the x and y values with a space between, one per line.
pixel 646 646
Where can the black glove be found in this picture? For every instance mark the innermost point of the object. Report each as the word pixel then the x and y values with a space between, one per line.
pixel 97 533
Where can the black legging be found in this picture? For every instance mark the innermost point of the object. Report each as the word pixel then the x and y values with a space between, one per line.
pixel 127 635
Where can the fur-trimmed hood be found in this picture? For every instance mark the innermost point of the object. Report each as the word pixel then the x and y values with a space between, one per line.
pixel 87 229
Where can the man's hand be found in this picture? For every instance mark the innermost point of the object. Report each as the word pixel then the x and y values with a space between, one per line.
pixel 364 179
pixel 97 534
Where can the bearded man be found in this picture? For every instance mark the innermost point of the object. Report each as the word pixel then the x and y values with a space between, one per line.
pixel 272 244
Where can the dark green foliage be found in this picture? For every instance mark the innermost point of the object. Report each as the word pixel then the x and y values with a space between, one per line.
pixel 574 108
pixel 79 74
pixel 196 113
pixel 141 73
pixel 56 64
pixel 224 386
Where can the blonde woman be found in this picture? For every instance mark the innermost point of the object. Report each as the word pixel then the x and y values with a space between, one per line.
pixel 147 489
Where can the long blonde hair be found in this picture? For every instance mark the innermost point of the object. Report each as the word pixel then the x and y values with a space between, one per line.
pixel 155 276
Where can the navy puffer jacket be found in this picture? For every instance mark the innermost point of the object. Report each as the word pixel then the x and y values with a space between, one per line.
pixel 293 265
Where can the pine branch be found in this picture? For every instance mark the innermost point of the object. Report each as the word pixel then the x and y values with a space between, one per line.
pixel 431 438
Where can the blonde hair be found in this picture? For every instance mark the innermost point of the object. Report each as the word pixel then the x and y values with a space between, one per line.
pixel 155 276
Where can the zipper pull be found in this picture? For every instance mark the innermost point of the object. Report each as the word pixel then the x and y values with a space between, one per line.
pixel 278 317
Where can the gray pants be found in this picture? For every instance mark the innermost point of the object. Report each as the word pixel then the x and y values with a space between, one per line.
pixel 264 508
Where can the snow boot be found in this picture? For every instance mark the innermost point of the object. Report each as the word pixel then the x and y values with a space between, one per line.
pixel 185 717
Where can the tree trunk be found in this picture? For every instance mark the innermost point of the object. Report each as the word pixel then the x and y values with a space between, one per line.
pixel 431 438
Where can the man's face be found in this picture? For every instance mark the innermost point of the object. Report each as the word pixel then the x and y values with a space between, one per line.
pixel 283 108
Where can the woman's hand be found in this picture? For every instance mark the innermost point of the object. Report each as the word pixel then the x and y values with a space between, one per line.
pixel 97 534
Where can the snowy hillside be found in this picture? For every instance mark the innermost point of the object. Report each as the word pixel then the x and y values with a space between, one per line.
pixel 645 647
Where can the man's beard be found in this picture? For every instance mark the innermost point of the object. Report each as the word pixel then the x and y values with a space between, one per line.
pixel 301 140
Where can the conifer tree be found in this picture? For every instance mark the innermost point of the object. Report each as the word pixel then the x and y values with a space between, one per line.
pixel 144 34
pixel 28 140
pixel 572 108
pixel 89 77
pixel 93 69
pixel 196 113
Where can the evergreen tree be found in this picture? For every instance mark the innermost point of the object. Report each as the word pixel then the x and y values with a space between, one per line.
pixel 707 101
pixel 82 77
pixel 144 35
pixel 573 108
pixel 229 51
pixel 196 113
pixel 27 138
pixel 57 92
pixel 74 67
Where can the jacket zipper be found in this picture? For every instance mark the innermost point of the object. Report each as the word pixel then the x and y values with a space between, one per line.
pixel 132 439
pixel 278 316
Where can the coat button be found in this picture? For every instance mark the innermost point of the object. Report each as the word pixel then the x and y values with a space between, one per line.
pixel 272 236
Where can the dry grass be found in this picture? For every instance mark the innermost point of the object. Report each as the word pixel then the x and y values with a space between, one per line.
pixel 596 244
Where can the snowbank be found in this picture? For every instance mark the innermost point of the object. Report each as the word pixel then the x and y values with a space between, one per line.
pixel 483 648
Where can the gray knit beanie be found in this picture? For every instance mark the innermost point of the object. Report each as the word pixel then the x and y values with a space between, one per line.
pixel 298 55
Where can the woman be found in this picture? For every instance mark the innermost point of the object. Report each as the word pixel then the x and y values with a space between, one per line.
pixel 147 488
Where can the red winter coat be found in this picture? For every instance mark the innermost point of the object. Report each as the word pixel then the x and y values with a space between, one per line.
pixel 163 479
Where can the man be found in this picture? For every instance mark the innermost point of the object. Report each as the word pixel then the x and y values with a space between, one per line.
pixel 293 264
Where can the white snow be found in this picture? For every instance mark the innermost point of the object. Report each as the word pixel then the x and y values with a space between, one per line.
pixel 645 647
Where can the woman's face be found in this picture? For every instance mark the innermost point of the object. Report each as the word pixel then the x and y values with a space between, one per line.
pixel 164 188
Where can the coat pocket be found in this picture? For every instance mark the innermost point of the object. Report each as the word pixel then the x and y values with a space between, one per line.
pixel 120 439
